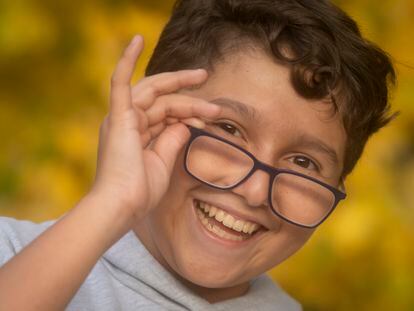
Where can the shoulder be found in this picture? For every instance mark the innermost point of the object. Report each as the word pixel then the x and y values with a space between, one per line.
pixel 16 234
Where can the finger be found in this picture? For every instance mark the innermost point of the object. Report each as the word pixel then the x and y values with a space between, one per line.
pixel 152 133
pixel 194 122
pixel 148 89
pixel 169 143
pixel 170 120
pixel 182 107
pixel 121 78
pixel 142 120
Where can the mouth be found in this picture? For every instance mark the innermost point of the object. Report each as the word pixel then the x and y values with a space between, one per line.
pixel 224 225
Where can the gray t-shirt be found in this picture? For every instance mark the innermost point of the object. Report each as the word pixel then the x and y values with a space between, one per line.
pixel 127 277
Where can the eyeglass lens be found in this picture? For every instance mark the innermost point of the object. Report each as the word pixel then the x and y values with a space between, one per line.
pixel 294 197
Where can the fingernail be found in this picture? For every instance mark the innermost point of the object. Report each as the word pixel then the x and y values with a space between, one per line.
pixel 135 40
pixel 200 70
pixel 195 123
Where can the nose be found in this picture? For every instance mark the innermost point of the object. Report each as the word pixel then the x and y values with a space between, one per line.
pixel 255 189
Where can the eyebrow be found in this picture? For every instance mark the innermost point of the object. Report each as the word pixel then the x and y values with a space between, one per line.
pixel 314 143
pixel 304 140
pixel 246 111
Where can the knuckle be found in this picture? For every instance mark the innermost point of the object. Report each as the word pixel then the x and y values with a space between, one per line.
pixel 168 110
pixel 166 102
pixel 154 90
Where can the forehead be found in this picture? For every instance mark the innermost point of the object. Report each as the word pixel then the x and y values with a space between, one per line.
pixel 258 91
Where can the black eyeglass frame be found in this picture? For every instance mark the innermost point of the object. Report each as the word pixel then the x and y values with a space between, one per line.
pixel 259 165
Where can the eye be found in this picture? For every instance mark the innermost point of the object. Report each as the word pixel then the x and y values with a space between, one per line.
pixel 229 128
pixel 305 162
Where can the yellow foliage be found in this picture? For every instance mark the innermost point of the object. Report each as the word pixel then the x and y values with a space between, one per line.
pixel 56 62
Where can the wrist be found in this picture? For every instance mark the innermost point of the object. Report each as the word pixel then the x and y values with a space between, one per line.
pixel 111 210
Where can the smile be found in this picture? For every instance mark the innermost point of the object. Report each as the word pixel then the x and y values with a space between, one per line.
pixel 224 225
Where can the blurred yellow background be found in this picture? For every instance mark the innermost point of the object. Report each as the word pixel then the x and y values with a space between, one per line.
pixel 56 58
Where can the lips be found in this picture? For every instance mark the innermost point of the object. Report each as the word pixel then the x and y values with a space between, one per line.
pixel 224 224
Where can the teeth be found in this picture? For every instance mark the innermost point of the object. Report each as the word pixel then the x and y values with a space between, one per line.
pixel 226 219
pixel 238 225
pixel 217 230
pixel 204 206
pixel 220 215
pixel 246 228
pixel 253 228
pixel 212 211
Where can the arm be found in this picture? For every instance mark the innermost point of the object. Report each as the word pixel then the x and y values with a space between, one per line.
pixel 48 272
pixel 131 178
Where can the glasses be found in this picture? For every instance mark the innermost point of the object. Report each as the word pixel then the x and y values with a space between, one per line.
pixel 297 198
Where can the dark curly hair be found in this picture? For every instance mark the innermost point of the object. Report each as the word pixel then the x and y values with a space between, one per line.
pixel 322 45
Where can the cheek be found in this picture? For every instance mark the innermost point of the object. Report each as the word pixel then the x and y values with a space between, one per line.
pixel 180 185
pixel 285 242
pixel 228 269
pixel 173 231
pixel 167 220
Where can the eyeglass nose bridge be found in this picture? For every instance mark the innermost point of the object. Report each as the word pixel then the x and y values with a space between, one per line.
pixel 261 166
pixel 273 172
pixel 268 169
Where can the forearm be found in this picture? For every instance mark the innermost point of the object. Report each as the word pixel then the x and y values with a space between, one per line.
pixel 47 273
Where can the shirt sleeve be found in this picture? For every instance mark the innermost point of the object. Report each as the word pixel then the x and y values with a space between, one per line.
pixel 6 246
pixel 16 234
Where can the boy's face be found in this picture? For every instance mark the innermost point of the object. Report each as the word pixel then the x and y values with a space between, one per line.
pixel 282 130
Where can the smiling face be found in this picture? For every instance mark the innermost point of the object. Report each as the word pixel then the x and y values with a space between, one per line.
pixel 263 114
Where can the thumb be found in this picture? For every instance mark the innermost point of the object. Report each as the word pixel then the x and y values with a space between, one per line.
pixel 169 144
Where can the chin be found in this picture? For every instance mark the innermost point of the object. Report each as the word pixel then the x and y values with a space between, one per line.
pixel 180 237
pixel 201 257
pixel 210 275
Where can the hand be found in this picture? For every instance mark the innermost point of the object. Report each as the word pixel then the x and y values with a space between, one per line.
pixel 131 172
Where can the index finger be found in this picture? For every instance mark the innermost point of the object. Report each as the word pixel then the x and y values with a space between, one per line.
pixel 148 89
pixel 121 78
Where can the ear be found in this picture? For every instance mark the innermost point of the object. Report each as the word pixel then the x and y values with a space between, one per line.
pixel 342 184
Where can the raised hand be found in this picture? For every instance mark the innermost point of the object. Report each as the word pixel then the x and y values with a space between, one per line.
pixel 129 171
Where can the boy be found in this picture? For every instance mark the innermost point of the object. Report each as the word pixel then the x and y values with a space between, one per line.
pixel 214 168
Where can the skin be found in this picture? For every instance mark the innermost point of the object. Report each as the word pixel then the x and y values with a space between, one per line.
pixel 140 183
pixel 217 269
pixel 132 176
